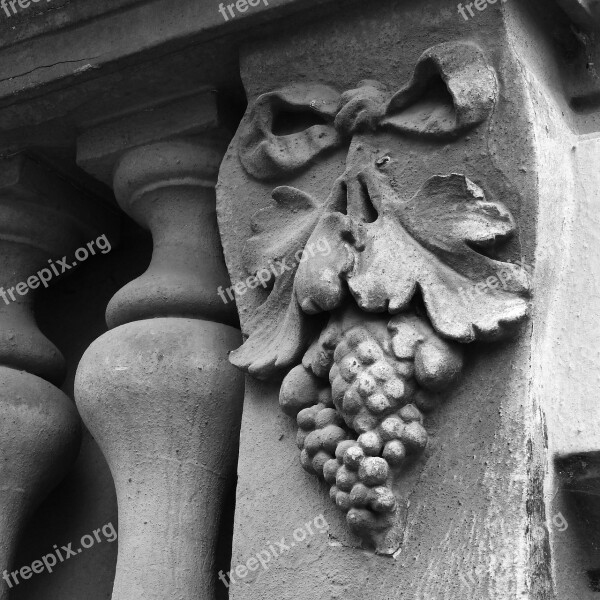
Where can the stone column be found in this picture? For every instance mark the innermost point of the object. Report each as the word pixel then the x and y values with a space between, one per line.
pixel 157 391
pixel 43 221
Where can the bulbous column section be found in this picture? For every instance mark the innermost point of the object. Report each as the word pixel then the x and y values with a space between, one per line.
pixel 40 434
pixel 158 394
pixel 42 218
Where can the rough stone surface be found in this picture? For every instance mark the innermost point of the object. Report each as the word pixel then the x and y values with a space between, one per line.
pixel 484 512
pixel 173 516
pixel 163 404
pixel 467 522
pixel 40 435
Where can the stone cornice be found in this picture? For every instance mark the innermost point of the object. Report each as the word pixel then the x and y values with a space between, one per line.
pixel 61 75
pixel 49 73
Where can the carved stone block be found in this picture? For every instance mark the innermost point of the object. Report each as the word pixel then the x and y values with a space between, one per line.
pixel 379 254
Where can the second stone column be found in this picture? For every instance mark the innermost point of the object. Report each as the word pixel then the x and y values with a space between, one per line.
pixel 157 391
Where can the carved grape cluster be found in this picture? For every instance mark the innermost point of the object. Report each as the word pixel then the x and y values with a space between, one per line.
pixel 358 399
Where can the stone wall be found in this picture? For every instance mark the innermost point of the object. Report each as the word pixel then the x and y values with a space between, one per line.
pixel 395 203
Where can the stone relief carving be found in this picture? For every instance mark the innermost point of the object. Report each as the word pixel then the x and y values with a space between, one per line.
pixel 370 337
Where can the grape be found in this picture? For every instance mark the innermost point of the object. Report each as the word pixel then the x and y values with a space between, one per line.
pixel 415 436
pixel 395 453
pixel 366 385
pixel 392 428
pixel 319 435
pixel 356 430
pixel 404 369
pixel 341 350
pixel 312 443
pixel 319 461
pixel 410 413
pixel 338 390
pixel 373 471
pixel 342 499
pixel 356 335
pixel 382 370
pixel 306 417
pixel 438 364
pixel 383 500
pixel 366 391
pixel 364 423
pixel 353 457
pixel 359 496
pixel 395 390
pixel 328 416
pixel 331 436
pixel 299 390
pixel 378 404
pixel 345 479
pixel 341 449
pixel 349 367
pixel 371 443
pixel 361 519
pixel 330 469
pixel 369 352
pixel 366 522
pixel 352 402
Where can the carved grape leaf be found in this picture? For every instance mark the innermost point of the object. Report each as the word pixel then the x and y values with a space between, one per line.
pixel 437 243
pixel 282 229
pixel 430 243
pixel 279 333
